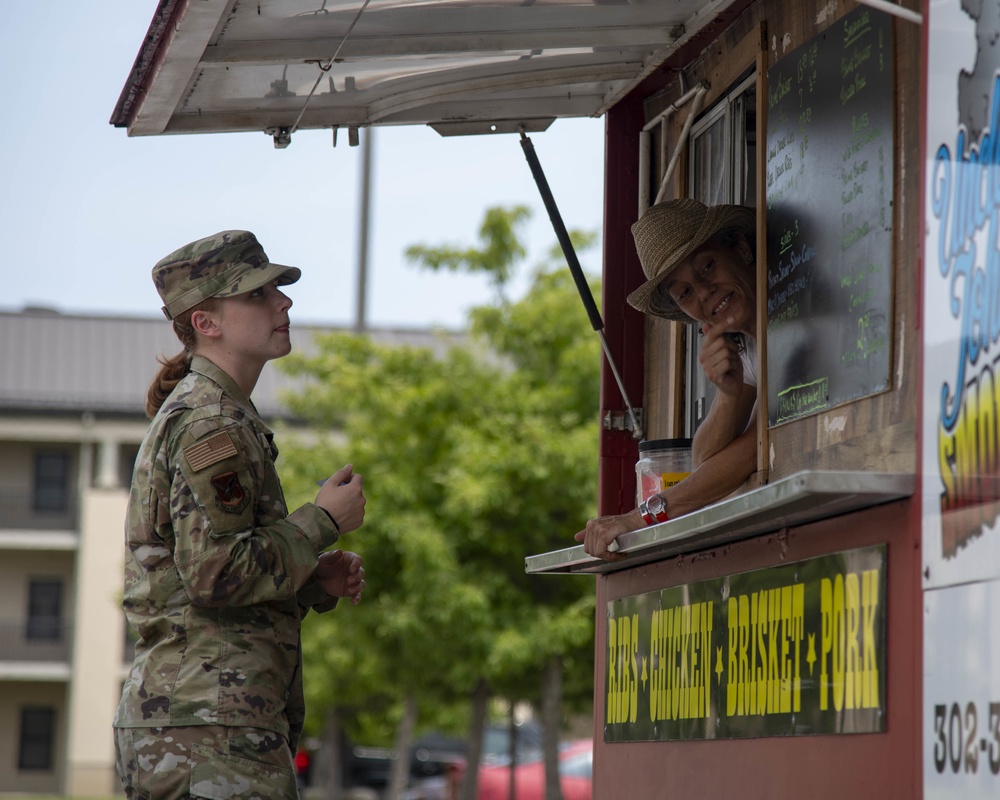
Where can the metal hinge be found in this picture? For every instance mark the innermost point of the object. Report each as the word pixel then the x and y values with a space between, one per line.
pixel 623 421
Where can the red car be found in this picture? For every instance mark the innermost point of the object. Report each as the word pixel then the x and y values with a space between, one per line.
pixel 575 769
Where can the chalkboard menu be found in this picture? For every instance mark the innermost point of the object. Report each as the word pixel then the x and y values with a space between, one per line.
pixel 829 218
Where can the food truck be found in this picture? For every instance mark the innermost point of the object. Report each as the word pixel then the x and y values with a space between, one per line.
pixel 828 629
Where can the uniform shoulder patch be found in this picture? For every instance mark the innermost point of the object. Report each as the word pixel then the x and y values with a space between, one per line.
pixel 231 496
pixel 210 451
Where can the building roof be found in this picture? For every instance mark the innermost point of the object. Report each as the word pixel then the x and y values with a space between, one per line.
pixel 74 363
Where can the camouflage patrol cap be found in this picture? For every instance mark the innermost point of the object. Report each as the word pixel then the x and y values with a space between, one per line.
pixel 222 265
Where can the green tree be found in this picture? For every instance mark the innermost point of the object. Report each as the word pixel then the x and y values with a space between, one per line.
pixel 497 258
pixel 473 458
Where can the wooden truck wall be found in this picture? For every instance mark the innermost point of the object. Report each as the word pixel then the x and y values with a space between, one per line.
pixel 785 664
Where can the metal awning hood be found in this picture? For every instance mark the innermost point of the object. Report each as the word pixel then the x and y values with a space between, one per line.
pixel 463 66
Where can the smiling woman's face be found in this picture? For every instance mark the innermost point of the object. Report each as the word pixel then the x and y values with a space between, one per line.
pixel 716 284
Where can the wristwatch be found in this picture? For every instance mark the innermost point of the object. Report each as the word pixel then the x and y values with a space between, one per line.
pixel 654 509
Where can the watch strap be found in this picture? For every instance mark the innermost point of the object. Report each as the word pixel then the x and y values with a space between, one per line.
pixel 651 517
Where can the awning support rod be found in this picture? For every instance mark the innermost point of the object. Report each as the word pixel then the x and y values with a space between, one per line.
pixel 596 322
pixel 699 96
pixel 645 139
pixel 895 9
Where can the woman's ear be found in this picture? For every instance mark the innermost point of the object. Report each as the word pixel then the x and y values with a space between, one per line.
pixel 745 250
pixel 205 324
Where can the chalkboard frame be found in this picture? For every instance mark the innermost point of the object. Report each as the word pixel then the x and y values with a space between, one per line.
pixel 829 197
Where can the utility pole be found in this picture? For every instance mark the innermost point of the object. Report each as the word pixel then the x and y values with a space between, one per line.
pixel 360 320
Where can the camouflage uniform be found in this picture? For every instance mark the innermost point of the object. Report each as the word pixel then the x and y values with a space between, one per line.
pixel 218 576
pixel 223 265
pixel 207 761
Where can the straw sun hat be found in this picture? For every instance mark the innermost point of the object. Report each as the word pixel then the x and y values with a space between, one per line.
pixel 670 232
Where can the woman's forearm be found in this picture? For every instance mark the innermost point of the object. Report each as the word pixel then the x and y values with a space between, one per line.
pixel 727 419
pixel 716 477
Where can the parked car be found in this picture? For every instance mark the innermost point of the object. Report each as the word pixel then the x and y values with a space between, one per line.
pixel 575 775
pixel 496 742
pixel 437 788
pixel 431 756
pixel 435 756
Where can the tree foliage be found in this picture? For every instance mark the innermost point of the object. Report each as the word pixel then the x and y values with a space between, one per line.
pixel 473 457
pixel 497 258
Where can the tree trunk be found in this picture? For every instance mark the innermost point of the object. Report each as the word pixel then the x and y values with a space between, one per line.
pixel 552 723
pixel 512 746
pixel 404 744
pixel 480 702
pixel 330 764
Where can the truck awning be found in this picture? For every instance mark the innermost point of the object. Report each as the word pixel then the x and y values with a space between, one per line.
pixel 461 66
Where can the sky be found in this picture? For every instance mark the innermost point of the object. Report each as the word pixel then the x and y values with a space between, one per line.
pixel 86 210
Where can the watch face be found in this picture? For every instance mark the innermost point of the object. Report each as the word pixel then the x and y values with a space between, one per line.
pixel 655 504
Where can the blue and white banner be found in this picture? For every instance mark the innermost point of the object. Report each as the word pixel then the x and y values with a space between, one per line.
pixel 961 403
pixel 961 447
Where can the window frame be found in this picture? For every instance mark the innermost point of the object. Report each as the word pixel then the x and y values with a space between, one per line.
pixel 53 469
pixel 36 750
pixel 39 625
pixel 738 117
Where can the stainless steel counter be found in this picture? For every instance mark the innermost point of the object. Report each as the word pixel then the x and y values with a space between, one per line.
pixel 796 500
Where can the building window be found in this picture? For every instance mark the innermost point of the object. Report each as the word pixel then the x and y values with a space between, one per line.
pixel 126 463
pixel 52 470
pixel 45 610
pixel 37 740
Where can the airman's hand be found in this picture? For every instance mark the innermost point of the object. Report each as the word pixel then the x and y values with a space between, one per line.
pixel 341 575
pixel 342 496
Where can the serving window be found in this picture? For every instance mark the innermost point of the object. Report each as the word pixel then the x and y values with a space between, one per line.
pixel 736 123
pixel 711 132
pixel 837 377
pixel 722 157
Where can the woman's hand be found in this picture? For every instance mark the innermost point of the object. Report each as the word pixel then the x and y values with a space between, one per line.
pixel 343 498
pixel 720 359
pixel 601 532
pixel 340 574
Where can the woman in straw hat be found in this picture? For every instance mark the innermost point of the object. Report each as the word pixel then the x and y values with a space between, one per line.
pixel 218 573
pixel 699 262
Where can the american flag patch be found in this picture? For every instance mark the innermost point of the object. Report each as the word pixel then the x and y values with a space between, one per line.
pixel 211 451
